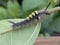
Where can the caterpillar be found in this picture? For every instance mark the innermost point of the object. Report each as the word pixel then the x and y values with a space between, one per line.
pixel 32 18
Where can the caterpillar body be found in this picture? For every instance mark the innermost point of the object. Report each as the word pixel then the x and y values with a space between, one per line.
pixel 32 18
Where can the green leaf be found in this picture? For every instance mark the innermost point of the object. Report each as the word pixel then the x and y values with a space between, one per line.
pixel 3 13
pixel 25 36
pixel 47 20
pixel 45 23
pixel 55 25
pixel 14 9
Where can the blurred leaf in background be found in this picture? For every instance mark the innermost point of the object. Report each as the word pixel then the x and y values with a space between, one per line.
pixel 3 13
pixel 3 3
pixel 3 7
pixel 14 9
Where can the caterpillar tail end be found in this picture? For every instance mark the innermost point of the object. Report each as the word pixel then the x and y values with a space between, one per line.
pixel 11 22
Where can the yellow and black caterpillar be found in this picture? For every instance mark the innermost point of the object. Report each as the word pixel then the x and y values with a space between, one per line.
pixel 34 17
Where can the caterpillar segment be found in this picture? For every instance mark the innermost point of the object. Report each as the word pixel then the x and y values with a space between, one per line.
pixel 32 16
pixel 36 12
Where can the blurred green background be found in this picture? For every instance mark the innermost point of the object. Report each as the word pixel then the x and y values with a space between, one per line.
pixel 14 9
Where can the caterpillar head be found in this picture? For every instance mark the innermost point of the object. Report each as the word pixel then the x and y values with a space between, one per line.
pixel 43 13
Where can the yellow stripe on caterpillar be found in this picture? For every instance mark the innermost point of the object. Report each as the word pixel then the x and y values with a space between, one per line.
pixel 30 16
pixel 36 12
pixel 33 14
pixel 27 18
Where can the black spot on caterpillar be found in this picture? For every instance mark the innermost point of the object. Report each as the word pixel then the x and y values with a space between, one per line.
pixel 32 18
